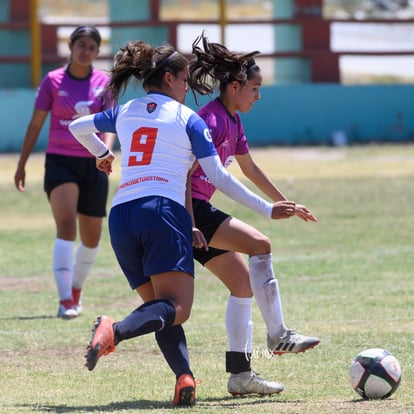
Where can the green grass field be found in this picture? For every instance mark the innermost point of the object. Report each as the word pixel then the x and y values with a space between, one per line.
pixel 347 279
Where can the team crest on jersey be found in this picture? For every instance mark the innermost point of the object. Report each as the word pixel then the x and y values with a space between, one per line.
pixel 151 107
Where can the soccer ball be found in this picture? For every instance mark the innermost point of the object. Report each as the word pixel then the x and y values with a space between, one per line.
pixel 375 374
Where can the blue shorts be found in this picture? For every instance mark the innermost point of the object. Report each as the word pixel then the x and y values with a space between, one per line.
pixel 151 235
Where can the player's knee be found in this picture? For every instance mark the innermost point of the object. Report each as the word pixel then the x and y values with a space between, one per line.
pixel 182 314
pixel 262 246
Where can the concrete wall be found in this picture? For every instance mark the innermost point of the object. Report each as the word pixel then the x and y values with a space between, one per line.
pixel 311 114
pixel 307 114
pixel 15 42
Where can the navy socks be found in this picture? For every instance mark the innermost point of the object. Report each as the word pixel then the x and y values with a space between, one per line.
pixel 158 316
pixel 154 315
pixel 170 340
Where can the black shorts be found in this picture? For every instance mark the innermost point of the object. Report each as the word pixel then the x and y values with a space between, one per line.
pixel 207 219
pixel 92 183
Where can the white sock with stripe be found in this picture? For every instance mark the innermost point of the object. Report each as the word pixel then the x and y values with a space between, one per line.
pixel 266 291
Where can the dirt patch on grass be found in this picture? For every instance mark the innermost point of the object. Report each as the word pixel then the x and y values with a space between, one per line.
pixel 36 283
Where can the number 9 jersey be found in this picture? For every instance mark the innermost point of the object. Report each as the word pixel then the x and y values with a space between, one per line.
pixel 160 139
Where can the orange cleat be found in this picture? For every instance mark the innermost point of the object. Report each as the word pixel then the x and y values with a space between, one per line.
pixel 102 341
pixel 185 391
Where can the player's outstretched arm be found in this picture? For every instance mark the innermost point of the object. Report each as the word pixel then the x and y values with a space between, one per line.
pixel 255 174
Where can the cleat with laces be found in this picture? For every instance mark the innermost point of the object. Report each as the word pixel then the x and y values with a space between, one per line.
pixel 289 341
pixel 249 382
pixel 102 341
pixel 185 391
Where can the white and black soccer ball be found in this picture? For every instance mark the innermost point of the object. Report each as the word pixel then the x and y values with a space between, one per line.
pixel 375 374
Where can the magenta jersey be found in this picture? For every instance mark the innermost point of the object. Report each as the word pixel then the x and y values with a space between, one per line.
pixel 68 98
pixel 228 138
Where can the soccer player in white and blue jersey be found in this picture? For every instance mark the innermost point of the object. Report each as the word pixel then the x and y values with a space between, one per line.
pixel 150 227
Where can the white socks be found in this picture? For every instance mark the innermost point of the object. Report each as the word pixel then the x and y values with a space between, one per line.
pixel 85 257
pixel 63 267
pixel 266 291
pixel 68 275
pixel 239 324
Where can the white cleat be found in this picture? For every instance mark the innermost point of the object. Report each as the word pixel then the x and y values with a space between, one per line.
pixel 250 382
pixel 289 341
pixel 78 308
pixel 67 313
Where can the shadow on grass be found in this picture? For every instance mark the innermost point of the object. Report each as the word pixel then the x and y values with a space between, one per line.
pixel 27 318
pixel 112 407
pixel 224 402
pixel 244 400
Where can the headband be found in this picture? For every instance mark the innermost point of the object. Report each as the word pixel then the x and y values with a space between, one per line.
pixel 157 68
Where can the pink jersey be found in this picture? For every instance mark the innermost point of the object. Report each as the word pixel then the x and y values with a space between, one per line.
pixel 228 138
pixel 68 98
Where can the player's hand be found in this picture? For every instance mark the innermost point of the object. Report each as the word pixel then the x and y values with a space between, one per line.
pixel 303 213
pixel 105 164
pixel 199 241
pixel 19 179
pixel 283 209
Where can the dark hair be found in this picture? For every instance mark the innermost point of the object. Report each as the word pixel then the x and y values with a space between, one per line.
pixel 214 63
pixel 89 31
pixel 145 63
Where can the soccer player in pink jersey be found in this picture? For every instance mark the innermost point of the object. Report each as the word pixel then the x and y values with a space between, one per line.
pixel 149 224
pixel 238 79
pixel 76 190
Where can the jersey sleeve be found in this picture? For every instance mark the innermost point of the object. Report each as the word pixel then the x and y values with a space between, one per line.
pixel 44 98
pixel 84 130
pixel 106 121
pixel 200 137
pixel 206 153
pixel 232 187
